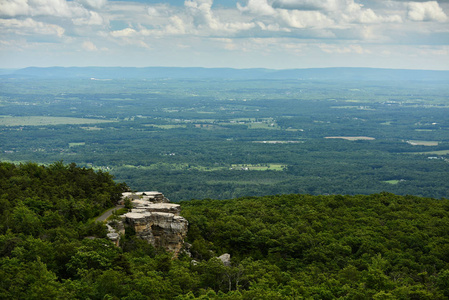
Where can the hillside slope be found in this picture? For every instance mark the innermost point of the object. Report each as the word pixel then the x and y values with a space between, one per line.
pixel 379 246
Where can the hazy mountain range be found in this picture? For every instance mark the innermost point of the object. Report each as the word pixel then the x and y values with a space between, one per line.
pixel 351 74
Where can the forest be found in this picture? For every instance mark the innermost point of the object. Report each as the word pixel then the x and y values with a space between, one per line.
pixel 225 133
pixel 292 246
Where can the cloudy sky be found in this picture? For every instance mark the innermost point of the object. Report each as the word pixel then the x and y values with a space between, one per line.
pixel 225 33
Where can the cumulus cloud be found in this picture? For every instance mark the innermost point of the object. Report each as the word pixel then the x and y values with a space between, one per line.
pixel 30 27
pixel 12 8
pixel 89 46
pixel 202 13
pixel 176 26
pixel 316 13
pixel 127 32
pixel 91 18
pixel 61 9
pixel 306 4
pixel 258 7
pixel 338 49
pixel 160 10
pixel 304 19
pixel 94 4
pixel 204 18
pixel 426 11
pixel 255 26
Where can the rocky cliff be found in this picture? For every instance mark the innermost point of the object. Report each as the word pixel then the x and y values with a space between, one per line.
pixel 156 221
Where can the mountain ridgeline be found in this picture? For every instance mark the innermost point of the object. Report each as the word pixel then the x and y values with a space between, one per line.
pixel 380 246
pixel 331 74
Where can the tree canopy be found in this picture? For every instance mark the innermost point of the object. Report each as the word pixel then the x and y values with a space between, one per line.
pixel 379 246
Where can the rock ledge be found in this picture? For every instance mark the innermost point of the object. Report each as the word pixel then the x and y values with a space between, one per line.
pixel 156 221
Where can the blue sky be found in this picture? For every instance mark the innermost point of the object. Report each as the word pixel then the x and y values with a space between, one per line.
pixel 225 33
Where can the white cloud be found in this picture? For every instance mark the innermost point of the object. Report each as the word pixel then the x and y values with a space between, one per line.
pixel 434 51
pixel 127 32
pixel 92 18
pixel 176 26
pixel 12 8
pixel 30 27
pixel 304 19
pixel 426 11
pixel 258 7
pixel 316 13
pixel 250 30
pixel 201 12
pixel 306 4
pixel 338 49
pixel 61 9
pixel 55 8
pixel 205 19
pixel 89 46
pixel 95 4
pixel 160 10
pixel 272 27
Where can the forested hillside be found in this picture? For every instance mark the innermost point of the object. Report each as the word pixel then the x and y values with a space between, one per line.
pixel 380 246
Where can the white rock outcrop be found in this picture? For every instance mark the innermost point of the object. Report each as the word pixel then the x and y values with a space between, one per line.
pixel 157 221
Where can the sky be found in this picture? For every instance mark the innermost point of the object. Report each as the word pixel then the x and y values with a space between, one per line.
pixel 277 34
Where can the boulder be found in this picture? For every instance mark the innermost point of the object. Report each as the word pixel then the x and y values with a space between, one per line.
pixel 225 259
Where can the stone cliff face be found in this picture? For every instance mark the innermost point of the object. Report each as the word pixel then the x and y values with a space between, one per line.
pixel 158 223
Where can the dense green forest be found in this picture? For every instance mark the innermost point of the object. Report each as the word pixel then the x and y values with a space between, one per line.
pixel 196 138
pixel 379 246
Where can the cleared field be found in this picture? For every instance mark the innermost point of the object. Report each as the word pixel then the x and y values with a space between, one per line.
pixel 266 181
pixel 76 144
pixel 346 107
pixel 166 126
pixel 438 152
pixel 258 167
pixel 278 142
pixel 392 181
pixel 40 121
pixel 269 126
pixel 174 167
pixel 351 138
pixel 422 143
pixel 91 128
pixel 118 99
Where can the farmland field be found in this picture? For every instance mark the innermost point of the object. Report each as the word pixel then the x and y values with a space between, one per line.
pixel 351 138
pixel 43 121
pixel 423 143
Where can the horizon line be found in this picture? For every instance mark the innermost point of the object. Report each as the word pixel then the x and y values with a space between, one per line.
pixel 232 68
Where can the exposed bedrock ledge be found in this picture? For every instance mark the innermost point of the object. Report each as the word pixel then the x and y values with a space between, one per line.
pixel 161 229
pixel 158 223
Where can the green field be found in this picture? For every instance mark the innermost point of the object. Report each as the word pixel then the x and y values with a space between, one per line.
pixel 438 152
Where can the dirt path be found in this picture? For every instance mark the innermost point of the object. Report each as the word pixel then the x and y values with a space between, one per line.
pixel 108 213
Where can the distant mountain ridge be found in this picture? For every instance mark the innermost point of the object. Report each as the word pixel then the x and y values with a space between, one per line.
pixel 343 74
